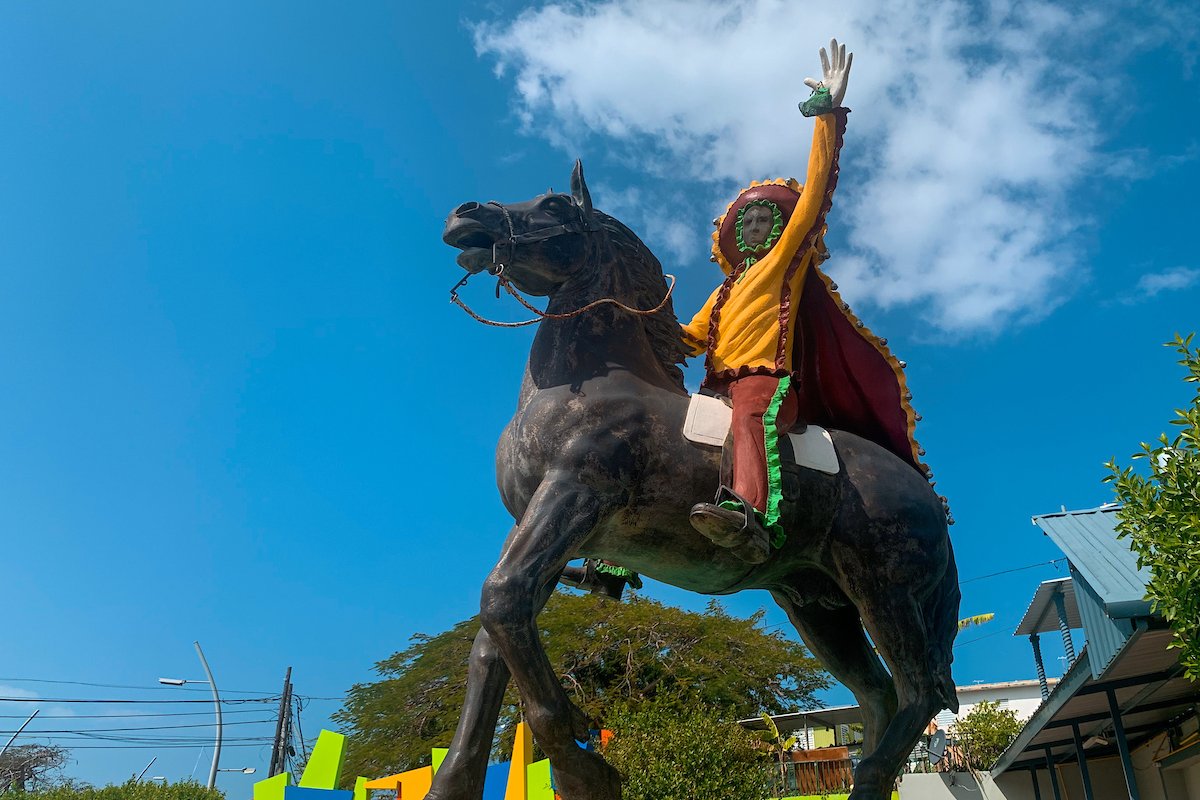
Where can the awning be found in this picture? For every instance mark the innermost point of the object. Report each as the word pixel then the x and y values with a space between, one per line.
pixel 815 718
pixel 1042 615
pixel 1146 683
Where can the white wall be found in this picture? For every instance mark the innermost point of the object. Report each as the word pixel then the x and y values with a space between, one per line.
pixel 1024 697
pixel 953 786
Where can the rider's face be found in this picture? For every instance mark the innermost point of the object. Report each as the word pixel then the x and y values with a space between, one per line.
pixel 756 225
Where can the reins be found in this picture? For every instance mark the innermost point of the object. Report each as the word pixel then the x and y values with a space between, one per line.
pixel 503 252
pixel 545 315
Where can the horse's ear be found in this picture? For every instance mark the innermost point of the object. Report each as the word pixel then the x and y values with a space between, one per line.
pixel 579 190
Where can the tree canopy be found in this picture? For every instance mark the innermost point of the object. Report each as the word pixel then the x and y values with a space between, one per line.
pixel 1160 513
pixel 608 655
pixel 28 767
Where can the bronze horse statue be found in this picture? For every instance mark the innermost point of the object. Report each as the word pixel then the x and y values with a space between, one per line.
pixel 594 464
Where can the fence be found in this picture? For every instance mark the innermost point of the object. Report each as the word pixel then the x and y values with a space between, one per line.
pixel 827 770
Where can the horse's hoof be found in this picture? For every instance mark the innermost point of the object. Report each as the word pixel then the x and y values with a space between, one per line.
pixel 588 777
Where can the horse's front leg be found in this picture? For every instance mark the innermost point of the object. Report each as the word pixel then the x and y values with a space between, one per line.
pixel 561 515
pixel 462 774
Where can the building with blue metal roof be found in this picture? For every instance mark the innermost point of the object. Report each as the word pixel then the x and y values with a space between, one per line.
pixel 1123 722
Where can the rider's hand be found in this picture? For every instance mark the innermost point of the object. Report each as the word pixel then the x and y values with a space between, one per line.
pixel 836 70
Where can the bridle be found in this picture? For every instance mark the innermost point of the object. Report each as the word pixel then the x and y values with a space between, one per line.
pixel 503 253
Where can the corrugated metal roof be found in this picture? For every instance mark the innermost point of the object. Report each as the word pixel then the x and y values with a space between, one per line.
pixel 1042 614
pixel 1089 541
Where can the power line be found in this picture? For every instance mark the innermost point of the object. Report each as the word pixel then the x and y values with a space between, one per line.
pixel 133 716
pixel 265 743
pixel 237 701
pixel 986 636
pixel 1014 569
pixel 150 727
pixel 129 686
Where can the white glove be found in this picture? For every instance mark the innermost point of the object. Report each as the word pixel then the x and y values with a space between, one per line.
pixel 837 72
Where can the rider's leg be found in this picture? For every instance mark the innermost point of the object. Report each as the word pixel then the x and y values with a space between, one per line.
pixel 764 408
pixel 753 398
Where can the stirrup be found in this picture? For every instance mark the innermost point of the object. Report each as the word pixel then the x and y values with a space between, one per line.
pixel 743 535
pixel 725 495
pixel 590 579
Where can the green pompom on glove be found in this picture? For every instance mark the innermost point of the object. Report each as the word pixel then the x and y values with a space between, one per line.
pixel 821 102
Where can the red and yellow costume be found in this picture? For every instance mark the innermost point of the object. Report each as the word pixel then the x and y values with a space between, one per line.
pixel 780 343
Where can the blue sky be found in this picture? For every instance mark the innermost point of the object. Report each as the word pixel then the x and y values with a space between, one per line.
pixel 238 408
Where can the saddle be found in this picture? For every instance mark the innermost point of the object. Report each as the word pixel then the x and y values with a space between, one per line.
pixel 808 447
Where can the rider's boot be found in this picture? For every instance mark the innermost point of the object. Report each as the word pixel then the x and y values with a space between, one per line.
pixel 596 581
pixel 734 524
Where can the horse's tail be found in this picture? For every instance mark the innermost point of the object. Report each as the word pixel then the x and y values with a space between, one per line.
pixel 942 624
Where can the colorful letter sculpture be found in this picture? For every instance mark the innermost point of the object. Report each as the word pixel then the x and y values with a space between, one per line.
pixel 320 776
pixel 519 779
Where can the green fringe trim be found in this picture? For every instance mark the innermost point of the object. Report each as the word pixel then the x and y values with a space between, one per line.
pixel 774 464
pixel 613 569
pixel 776 227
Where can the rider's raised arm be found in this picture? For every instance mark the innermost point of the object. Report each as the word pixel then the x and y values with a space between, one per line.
pixel 823 157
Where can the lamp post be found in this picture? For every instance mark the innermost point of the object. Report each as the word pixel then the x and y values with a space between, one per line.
pixel 243 770
pixel 212 773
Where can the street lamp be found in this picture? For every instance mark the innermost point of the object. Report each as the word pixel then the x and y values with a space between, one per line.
pixel 212 773
pixel 244 770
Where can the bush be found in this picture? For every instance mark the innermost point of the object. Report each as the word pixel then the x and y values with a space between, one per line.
pixel 131 790
pixel 666 753
pixel 983 735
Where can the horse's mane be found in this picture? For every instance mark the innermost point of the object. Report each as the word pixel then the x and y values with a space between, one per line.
pixel 639 272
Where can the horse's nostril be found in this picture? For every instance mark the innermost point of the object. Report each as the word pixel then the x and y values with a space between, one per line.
pixel 465 208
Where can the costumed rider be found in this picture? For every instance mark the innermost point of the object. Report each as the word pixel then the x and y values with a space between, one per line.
pixel 767 243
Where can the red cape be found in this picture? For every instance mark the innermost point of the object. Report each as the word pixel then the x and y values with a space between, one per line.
pixel 849 380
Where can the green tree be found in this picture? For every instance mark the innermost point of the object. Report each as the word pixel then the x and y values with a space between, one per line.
pixel 685 754
pixel 1160 513
pixel 982 735
pixel 608 655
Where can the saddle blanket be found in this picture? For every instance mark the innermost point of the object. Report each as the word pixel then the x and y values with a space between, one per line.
pixel 708 420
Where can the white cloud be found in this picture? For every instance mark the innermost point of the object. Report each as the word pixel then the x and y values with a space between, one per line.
pixel 13 691
pixel 1168 280
pixel 973 123
pixel 34 703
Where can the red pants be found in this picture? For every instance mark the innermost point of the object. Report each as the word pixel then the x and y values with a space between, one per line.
pixel 751 396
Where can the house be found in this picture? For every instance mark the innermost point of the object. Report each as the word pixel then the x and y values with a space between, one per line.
pixel 1123 721
pixel 1022 697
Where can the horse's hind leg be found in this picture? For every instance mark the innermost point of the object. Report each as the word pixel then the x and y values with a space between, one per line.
pixel 559 518
pixel 898 628
pixel 836 638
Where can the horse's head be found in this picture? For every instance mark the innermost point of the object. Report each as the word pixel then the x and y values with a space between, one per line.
pixel 537 244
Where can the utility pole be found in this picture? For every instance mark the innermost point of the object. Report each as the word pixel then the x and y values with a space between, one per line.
pixel 147 769
pixel 18 733
pixel 277 751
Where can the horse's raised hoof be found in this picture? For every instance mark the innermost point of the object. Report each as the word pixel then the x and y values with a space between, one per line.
pixel 589 777
pixel 731 530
